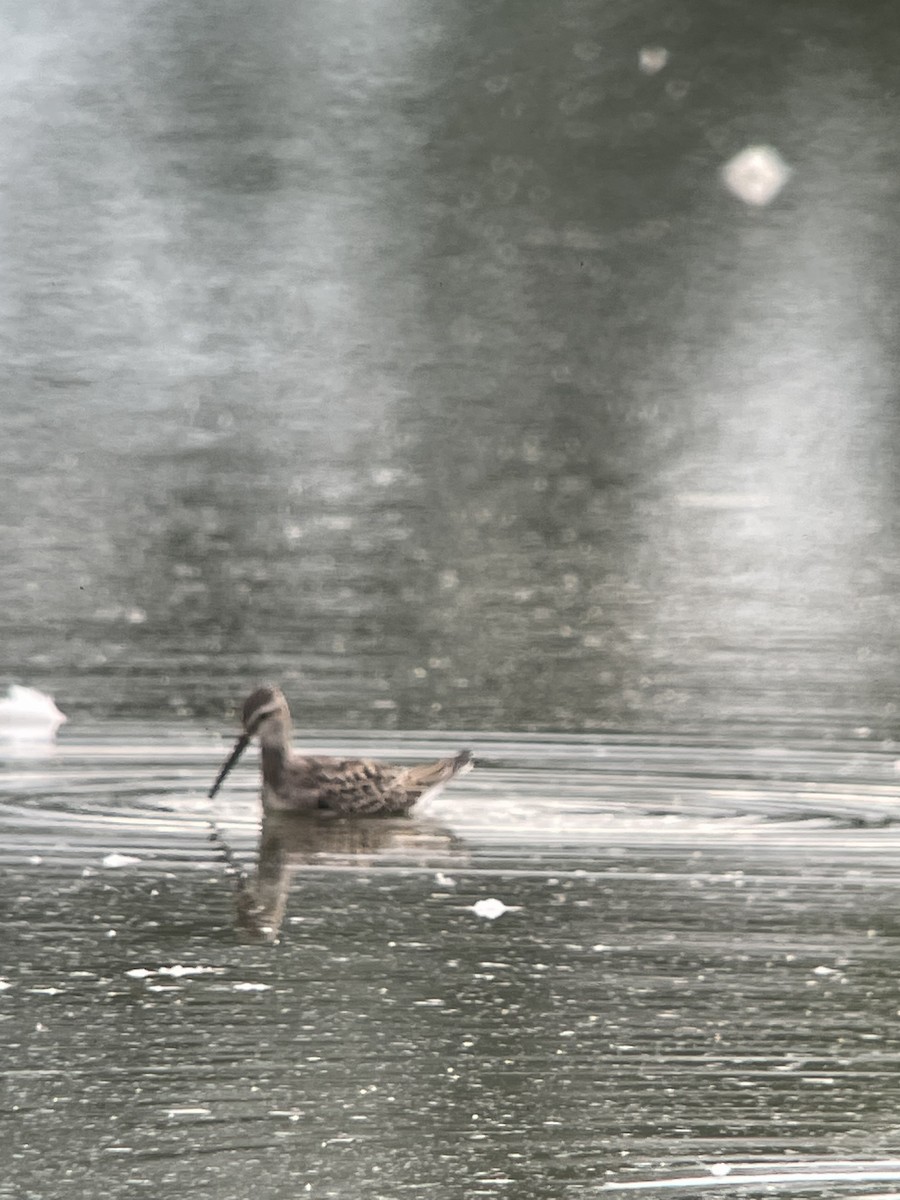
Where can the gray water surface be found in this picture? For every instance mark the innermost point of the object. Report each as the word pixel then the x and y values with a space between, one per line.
pixel 694 979
pixel 416 357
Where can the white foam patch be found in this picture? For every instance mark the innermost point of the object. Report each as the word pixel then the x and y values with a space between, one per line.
pixel 29 715
pixel 490 909
pixel 116 860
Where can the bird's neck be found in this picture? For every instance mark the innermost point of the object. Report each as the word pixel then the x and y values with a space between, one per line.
pixel 276 750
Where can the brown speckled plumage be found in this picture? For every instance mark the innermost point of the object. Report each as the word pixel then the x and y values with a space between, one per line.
pixel 348 786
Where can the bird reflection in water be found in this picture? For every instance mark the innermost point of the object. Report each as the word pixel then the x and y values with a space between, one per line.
pixel 289 843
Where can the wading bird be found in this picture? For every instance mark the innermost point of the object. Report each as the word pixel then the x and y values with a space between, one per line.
pixel 300 783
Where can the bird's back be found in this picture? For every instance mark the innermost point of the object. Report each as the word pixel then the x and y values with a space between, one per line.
pixel 358 786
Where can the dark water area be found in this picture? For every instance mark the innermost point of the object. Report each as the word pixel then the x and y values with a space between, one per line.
pixel 418 358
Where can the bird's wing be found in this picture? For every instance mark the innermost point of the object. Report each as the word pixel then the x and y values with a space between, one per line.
pixel 362 786
pixel 356 785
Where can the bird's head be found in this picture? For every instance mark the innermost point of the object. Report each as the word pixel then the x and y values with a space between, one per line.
pixel 265 715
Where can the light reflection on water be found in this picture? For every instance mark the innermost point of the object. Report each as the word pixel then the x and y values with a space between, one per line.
pixel 696 967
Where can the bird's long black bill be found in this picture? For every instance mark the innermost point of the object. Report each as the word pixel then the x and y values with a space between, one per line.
pixel 239 748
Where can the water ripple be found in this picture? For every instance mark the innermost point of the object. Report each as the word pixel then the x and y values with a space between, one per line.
pixel 692 961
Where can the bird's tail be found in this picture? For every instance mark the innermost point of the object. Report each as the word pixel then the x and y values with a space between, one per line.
pixel 462 762
pixel 443 769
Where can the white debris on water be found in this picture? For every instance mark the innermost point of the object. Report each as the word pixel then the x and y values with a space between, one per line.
pixel 443 880
pixel 176 971
pixel 652 59
pixel 120 860
pixel 490 909
pixel 189 1112
pixel 720 1169
pixel 4 985
pixel 756 175
pixel 27 715
pixel 251 987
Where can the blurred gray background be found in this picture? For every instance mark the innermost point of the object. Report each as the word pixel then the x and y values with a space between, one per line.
pixel 415 355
